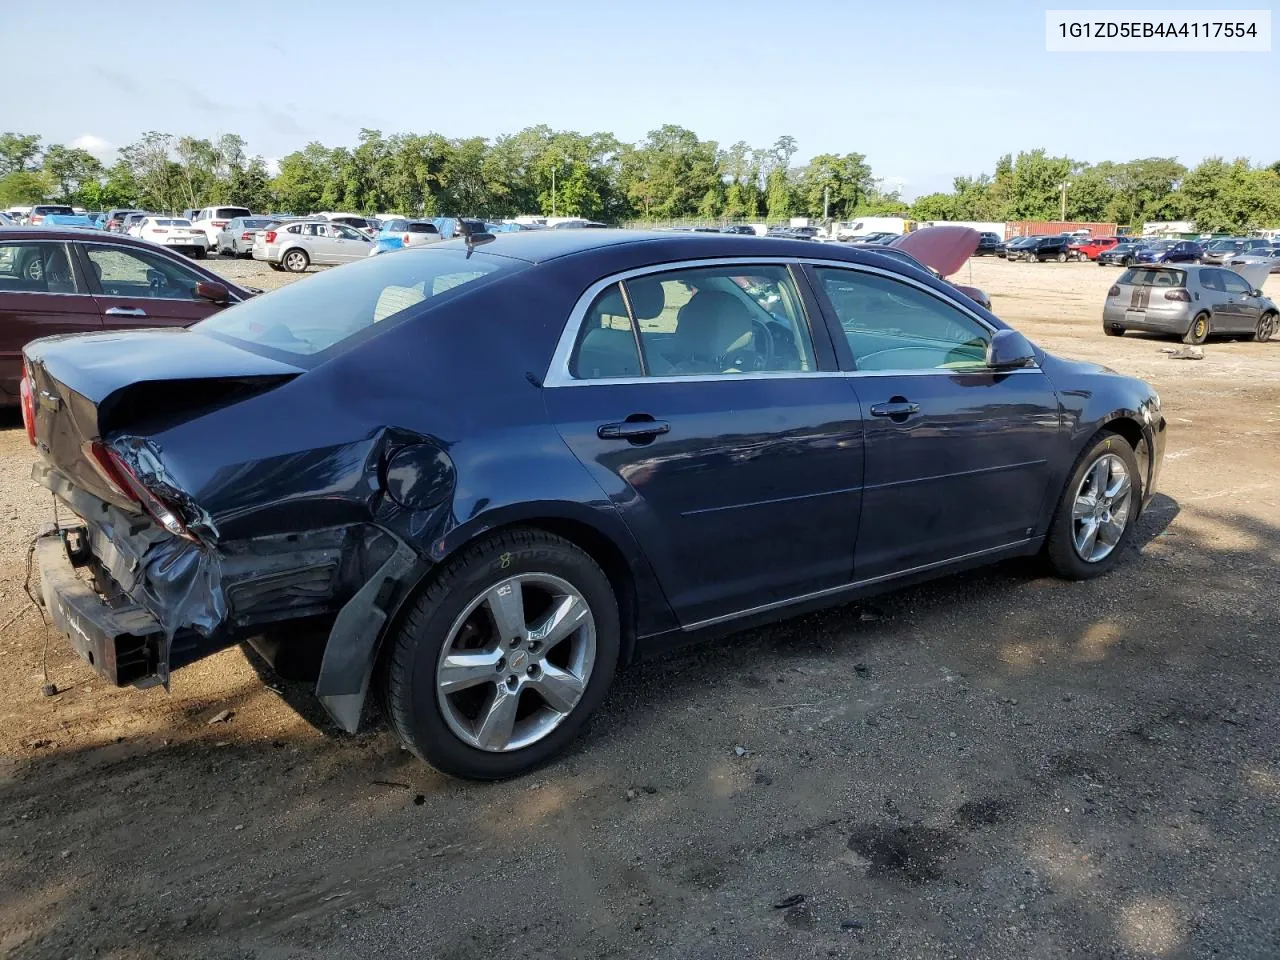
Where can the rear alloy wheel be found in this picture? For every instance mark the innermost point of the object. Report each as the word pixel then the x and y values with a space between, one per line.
pixel 296 261
pixel 1096 511
pixel 1113 330
pixel 1266 328
pixel 503 657
pixel 1198 332
pixel 1062 258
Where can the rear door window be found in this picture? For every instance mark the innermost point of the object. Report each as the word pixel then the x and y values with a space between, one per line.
pixel 36 267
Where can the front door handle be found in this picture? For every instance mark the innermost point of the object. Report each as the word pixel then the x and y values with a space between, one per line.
pixel 633 430
pixel 896 409
pixel 125 312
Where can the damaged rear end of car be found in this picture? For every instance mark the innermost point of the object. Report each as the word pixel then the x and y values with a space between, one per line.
pixel 205 495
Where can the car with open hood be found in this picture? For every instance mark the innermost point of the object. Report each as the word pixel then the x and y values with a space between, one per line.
pixel 478 475
pixel 942 250
pixel 1192 301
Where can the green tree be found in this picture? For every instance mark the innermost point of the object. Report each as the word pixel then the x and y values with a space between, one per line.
pixel 778 198
pixel 670 173
pixel 838 183
pixel 937 206
pixel 18 151
pixel 24 187
pixel 72 170
pixel 250 186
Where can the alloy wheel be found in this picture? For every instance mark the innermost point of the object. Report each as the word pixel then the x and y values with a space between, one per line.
pixel 516 662
pixel 1101 508
pixel 1266 327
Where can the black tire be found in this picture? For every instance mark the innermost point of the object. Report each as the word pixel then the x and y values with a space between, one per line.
pixel 1266 328
pixel 274 266
pixel 198 253
pixel 1113 330
pixel 1062 258
pixel 296 260
pixel 1126 261
pixel 1198 332
pixel 410 695
pixel 1060 549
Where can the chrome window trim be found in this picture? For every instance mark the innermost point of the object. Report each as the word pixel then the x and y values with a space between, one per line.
pixel 558 374
pixel 231 297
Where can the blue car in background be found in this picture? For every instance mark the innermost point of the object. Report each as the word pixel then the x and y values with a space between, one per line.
pixel 400 232
pixel 69 220
pixel 1169 251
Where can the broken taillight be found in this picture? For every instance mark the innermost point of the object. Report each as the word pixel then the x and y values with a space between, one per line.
pixel 28 409
pixel 116 472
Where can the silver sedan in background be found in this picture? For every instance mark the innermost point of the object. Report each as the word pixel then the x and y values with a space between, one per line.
pixel 297 245
pixel 1191 301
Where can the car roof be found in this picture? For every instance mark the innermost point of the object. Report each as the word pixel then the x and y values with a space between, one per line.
pixel 539 246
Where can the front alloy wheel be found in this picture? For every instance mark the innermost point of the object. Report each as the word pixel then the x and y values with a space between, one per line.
pixel 1266 328
pixel 1101 509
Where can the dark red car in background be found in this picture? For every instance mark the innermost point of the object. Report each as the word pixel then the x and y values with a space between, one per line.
pixel 74 281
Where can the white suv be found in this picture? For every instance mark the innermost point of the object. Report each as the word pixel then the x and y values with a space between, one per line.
pixel 212 219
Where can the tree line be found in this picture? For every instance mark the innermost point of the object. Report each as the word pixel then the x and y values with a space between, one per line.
pixel 670 175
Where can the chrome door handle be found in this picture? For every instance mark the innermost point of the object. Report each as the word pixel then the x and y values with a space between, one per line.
pixel 125 312
pixel 897 409
pixel 633 429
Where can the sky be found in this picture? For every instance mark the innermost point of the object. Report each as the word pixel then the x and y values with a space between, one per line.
pixel 926 89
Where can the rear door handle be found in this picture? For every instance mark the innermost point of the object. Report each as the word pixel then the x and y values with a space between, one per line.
pixel 125 312
pixel 897 409
pixel 632 429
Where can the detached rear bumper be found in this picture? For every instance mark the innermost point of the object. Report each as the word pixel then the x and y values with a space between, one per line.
pixel 123 644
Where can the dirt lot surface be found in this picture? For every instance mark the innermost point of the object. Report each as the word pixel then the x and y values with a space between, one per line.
pixel 995 765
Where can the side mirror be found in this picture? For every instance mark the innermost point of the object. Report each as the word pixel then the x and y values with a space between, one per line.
pixel 212 291
pixel 1259 293
pixel 1010 350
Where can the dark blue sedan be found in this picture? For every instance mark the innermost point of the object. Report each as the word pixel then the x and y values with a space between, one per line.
pixel 1169 251
pixel 478 476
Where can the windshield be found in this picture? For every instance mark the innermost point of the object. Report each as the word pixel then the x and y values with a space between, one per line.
pixel 309 317
pixel 1223 245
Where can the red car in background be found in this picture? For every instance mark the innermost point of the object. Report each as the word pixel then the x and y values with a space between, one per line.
pixel 1090 247
pixel 77 281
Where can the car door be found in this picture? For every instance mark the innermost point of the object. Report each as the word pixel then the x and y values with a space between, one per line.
pixel 320 240
pixel 1245 309
pixel 351 244
pixel 733 449
pixel 137 287
pixel 957 456
pixel 42 292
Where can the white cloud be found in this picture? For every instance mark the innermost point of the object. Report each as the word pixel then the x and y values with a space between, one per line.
pixel 95 145
pixel 273 166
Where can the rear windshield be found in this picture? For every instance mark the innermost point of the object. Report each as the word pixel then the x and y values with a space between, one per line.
pixel 323 311
pixel 256 224
pixel 49 209
pixel 228 213
pixel 423 228
pixel 172 223
pixel 1152 277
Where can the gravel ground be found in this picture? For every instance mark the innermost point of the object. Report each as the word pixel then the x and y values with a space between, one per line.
pixel 992 765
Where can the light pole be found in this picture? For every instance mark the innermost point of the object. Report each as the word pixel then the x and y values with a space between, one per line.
pixel 553 191
pixel 1063 212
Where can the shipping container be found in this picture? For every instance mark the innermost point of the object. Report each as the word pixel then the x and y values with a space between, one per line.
pixel 1051 228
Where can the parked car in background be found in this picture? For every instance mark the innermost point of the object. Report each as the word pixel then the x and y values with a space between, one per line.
pixel 1218 251
pixel 400 233
pixel 880 236
pixel 176 233
pixel 355 451
pixel 1089 247
pixel 210 220
pixel 42 210
pixel 1192 301
pixel 1012 245
pixel 578 224
pixel 103 281
pixel 1122 254
pixel 236 238
pixel 1040 249
pixel 132 222
pixel 1268 256
pixel 6 220
pixel 739 228
pixel 304 243
pixel 940 251
pixel 987 244
pixel 355 221
pixel 116 218
pixel 67 220
pixel 1169 251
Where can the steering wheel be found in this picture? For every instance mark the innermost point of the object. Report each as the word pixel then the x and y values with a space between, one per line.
pixel 34 269
pixel 762 340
